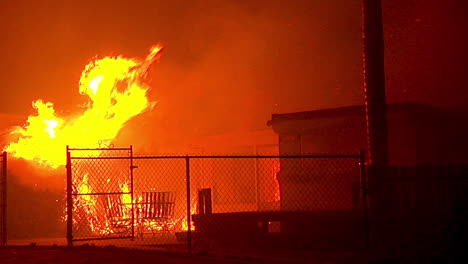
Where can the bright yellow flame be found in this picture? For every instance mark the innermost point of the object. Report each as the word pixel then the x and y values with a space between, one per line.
pixel 94 83
pixel 85 188
pixel 51 125
pixel 126 196
pixel 85 207
pixel 117 93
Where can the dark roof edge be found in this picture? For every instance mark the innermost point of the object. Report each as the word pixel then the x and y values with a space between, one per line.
pixel 349 111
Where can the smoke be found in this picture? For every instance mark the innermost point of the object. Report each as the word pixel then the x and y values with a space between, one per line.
pixel 231 66
pixel 35 201
pixel 226 67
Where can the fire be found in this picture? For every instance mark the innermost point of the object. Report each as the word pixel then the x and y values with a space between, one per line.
pixel 276 170
pixel 99 219
pixel 87 205
pixel 88 210
pixel 185 225
pixel 117 92
pixel 94 83
pixel 184 221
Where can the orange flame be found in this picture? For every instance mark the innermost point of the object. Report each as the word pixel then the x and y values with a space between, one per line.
pixel 117 93
pixel 184 221
pixel 86 208
pixel 276 170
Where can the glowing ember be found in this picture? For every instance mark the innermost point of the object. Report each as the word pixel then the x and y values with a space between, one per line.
pixel 86 205
pixel 276 170
pixel 185 226
pixel 117 93
pixel 86 209
pixel 192 212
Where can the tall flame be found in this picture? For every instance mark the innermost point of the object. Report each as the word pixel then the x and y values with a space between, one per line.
pixel 117 93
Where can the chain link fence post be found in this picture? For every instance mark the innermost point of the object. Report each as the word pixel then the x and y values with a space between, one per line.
pixel 132 190
pixel 3 201
pixel 69 201
pixel 363 178
pixel 189 217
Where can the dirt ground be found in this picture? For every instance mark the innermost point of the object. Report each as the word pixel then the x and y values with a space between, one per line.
pixel 100 255
pixel 34 254
pixel 79 255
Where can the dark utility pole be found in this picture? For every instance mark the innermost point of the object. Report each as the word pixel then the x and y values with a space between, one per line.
pixel 374 81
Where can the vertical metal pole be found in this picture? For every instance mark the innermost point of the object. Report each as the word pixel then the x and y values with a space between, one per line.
pixel 4 199
pixel 132 191
pixel 256 179
pixel 374 81
pixel 69 200
pixel 363 176
pixel 189 213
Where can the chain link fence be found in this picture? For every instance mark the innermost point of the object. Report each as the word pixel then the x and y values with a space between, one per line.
pixel 276 202
pixel 3 199
pixel 117 199
pixel 99 183
pixel 210 203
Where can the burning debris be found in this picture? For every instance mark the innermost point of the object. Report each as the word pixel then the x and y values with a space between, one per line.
pixel 117 92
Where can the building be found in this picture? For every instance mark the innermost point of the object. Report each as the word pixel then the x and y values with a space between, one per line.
pixel 417 134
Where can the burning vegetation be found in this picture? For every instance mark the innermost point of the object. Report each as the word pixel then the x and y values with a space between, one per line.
pixel 117 92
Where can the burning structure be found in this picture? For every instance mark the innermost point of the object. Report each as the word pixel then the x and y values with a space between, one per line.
pixel 117 91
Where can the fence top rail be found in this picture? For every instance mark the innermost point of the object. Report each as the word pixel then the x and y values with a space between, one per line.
pixel 100 193
pixel 225 157
pixel 98 149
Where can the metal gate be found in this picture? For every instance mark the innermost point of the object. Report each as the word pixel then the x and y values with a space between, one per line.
pixel 100 194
